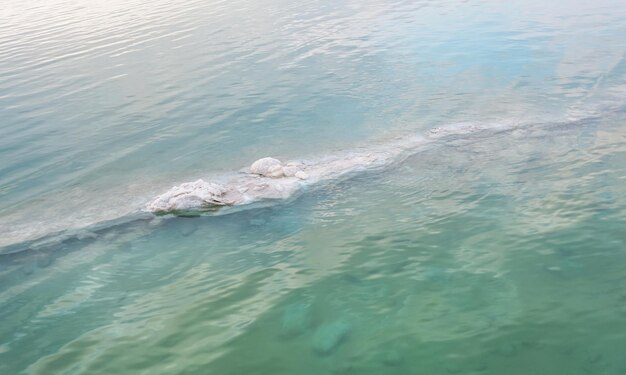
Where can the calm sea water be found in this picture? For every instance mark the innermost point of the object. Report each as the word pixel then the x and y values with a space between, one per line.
pixel 493 253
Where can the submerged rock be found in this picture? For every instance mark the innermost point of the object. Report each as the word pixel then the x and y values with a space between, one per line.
pixel 44 260
pixel 329 336
pixel 296 319
pixel 29 267
pixel 187 227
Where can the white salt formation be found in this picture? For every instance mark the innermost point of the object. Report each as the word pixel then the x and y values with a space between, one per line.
pixel 270 167
pixel 191 195
pixel 269 178
pixel 266 179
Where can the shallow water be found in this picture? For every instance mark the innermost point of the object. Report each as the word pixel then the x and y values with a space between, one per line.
pixel 489 253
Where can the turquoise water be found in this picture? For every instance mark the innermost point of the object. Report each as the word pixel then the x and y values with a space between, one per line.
pixel 498 252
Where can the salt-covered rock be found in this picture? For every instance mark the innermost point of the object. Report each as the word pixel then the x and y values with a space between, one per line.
pixel 270 179
pixel 190 195
pixel 290 170
pixel 268 167
pixel 301 175
pixel 276 172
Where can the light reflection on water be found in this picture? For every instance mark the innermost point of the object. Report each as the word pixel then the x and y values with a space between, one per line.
pixel 496 253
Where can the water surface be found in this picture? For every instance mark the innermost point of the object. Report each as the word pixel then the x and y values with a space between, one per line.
pixel 498 252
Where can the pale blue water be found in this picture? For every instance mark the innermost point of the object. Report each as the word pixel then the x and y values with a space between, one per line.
pixel 493 253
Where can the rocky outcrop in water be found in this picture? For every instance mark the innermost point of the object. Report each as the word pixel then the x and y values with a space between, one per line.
pixel 269 178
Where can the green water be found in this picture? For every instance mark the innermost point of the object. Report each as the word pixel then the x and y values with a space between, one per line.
pixel 489 255
pixel 493 252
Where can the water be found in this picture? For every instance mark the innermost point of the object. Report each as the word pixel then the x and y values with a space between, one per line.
pixel 489 253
